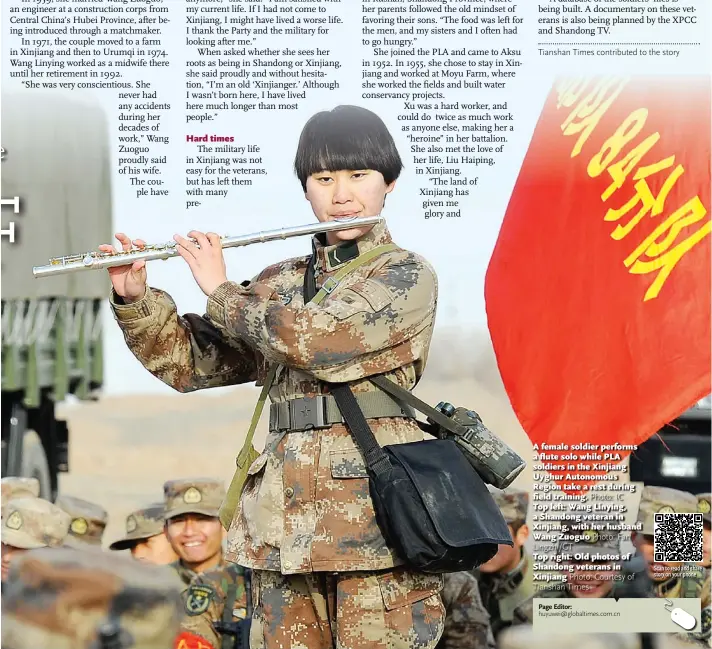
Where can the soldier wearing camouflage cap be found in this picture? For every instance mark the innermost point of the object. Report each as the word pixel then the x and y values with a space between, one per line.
pixel 91 599
pixel 31 523
pixel 193 528
pixel 146 536
pixel 646 575
pixel 506 583
pixel 591 557
pixel 18 487
pixel 88 519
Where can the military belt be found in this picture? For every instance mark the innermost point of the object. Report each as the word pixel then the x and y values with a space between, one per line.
pixel 321 411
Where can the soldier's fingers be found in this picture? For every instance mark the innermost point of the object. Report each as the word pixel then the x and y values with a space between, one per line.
pixel 106 247
pixel 200 238
pixel 185 246
pixel 139 243
pixel 125 242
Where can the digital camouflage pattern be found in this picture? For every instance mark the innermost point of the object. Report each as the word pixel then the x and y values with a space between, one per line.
pixel 508 597
pixel 141 524
pixel 31 523
pixel 81 591
pixel 703 506
pixel 17 487
pixel 88 519
pixel 467 624
pixel 663 500
pixel 513 503
pixel 495 461
pixel 193 496
pixel 392 609
pixel 205 600
pixel 306 504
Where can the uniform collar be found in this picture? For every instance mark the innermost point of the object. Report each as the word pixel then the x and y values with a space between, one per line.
pixel 331 258
pixel 509 582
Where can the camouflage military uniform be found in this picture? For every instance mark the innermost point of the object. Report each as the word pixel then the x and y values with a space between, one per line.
pixel 467 623
pixel 215 604
pixel 306 508
pixel 192 496
pixel 16 487
pixel 89 591
pixel 88 519
pixel 507 597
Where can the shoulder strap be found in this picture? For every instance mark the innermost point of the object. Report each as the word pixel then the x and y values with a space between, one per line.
pixel 373 454
pixel 402 395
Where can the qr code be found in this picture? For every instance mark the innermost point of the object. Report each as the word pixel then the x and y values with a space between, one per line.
pixel 677 537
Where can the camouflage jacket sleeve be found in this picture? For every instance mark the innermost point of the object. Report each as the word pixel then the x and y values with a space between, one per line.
pixel 373 318
pixel 467 624
pixel 186 352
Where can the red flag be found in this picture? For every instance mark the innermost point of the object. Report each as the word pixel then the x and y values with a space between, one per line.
pixel 598 289
pixel 187 640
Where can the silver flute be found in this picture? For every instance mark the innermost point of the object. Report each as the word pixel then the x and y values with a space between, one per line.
pixel 98 260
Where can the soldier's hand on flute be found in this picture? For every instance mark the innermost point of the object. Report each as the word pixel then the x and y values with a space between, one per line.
pixel 129 281
pixel 205 259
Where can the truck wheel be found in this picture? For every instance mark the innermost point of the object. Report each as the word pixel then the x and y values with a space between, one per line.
pixel 34 462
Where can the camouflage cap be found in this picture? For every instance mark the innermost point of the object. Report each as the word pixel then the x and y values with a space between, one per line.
pixel 593 541
pixel 512 502
pixel 62 598
pixel 703 506
pixel 141 524
pixel 193 496
pixel 88 519
pixel 33 523
pixel 663 500
pixel 17 487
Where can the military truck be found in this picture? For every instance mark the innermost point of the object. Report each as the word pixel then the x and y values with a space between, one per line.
pixel 57 161
pixel 679 455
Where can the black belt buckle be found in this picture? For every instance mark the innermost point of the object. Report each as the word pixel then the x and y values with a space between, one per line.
pixel 308 413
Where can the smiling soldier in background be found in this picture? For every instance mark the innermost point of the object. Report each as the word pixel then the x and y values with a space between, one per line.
pixel 89 520
pixel 146 536
pixel 192 507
